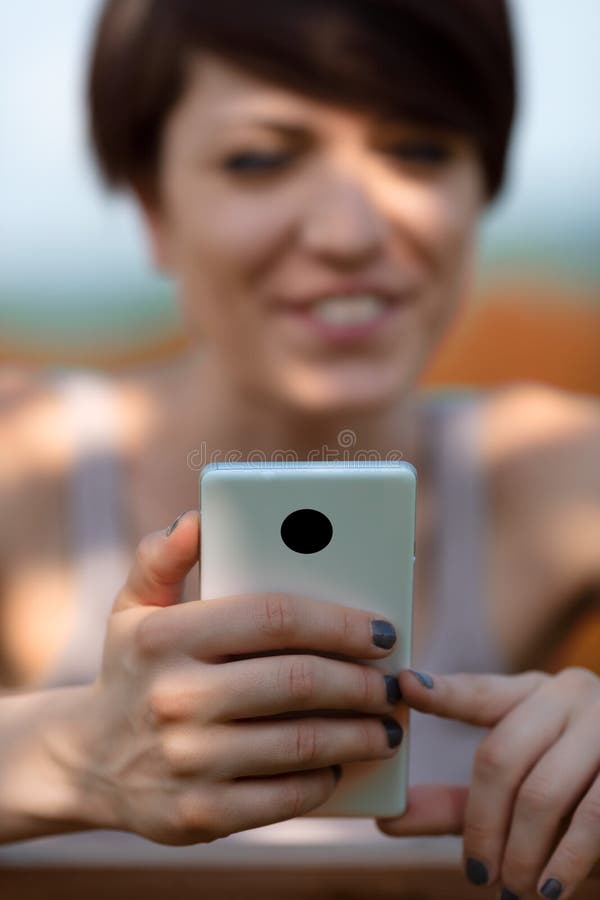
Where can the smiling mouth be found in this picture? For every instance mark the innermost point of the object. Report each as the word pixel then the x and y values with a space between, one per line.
pixel 348 310
pixel 351 318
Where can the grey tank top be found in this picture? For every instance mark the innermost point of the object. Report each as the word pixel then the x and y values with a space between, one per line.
pixel 460 638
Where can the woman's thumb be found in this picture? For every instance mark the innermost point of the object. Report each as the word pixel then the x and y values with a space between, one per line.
pixel 162 560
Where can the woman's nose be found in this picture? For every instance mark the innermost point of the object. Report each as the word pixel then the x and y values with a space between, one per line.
pixel 343 225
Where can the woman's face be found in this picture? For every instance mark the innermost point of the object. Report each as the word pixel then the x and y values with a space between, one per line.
pixel 319 252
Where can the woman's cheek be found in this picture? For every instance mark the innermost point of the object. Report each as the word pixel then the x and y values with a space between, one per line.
pixel 243 230
pixel 459 252
pixel 443 209
pixel 453 215
pixel 444 231
pixel 442 215
pixel 454 261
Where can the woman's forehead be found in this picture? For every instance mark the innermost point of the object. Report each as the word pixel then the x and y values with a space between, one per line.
pixel 229 89
pixel 226 96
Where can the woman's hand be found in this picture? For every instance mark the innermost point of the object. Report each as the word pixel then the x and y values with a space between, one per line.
pixel 531 816
pixel 181 741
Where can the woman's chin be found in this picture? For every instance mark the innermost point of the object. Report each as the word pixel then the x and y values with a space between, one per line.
pixel 346 394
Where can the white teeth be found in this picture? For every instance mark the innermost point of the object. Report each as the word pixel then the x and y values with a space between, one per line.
pixel 348 310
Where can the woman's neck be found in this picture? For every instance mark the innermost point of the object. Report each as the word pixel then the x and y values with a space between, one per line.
pixel 226 421
pixel 178 418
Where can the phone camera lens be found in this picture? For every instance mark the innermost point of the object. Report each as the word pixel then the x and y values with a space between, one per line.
pixel 306 531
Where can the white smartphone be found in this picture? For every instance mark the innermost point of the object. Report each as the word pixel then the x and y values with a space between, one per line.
pixel 338 531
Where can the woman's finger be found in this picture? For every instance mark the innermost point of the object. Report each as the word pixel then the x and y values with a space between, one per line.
pixel 479 699
pixel 269 686
pixel 578 853
pixel 547 797
pixel 275 746
pixel 432 809
pixel 213 630
pixel 161 563
pixel 502 761
pixel 254 802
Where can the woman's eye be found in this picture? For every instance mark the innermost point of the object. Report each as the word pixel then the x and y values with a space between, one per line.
pixel 421 152
pixel 251 162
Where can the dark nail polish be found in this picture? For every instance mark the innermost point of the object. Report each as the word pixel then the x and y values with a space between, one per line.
pixel 508 895
pixel 395 732
pixel 337 772
pixel 476 871
pixel 425 680
pixel 174 525
pixel 384 633
pixel 552 889
pixel 392 689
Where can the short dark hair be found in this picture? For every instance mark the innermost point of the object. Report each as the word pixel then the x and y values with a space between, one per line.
pixel 447 63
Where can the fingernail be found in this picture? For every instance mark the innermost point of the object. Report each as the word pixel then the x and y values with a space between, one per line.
pixel 174 524
pixel 392 689
pixel 384 633
pixel 425 680
pixel 508 895
pixel 337 772
pixel 552 889
pixel 394 731
pixel 476 871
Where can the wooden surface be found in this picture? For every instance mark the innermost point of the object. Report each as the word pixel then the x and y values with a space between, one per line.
pixel 206 884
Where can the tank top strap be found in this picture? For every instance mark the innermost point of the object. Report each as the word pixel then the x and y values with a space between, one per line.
pixel 96 519
pixel 462 637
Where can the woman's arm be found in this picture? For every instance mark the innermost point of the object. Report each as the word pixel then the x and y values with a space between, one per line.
pixel 38 795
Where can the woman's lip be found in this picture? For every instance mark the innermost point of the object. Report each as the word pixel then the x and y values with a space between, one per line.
pixel 338 333
pixel 387 295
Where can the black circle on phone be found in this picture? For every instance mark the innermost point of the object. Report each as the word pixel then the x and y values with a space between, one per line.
pixel 306 531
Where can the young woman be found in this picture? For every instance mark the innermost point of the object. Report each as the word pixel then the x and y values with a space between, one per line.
pixel 312 176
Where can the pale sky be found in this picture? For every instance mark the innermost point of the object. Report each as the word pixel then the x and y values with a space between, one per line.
pixel 59 229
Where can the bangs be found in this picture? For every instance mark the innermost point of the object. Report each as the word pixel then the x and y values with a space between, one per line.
pixel 446 63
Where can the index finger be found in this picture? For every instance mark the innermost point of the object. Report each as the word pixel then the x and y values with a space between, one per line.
pixel 257 623
pixel 477 698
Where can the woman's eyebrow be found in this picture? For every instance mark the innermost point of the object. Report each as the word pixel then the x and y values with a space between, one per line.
pixel 291 130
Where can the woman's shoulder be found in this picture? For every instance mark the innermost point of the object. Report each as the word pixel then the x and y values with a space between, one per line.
pixel 528 420
pixel 38 445
pixel 539 448
pixel 539 442
pixel 542 446
pixel 37 407
pixel 543 399
pixel 34 410
pixel 31 434
pixel 525 425
pixel 33 458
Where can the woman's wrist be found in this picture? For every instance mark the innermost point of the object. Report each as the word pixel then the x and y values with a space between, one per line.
pixel 46 784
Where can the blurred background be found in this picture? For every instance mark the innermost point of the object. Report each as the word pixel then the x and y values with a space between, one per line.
pixel 76 287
